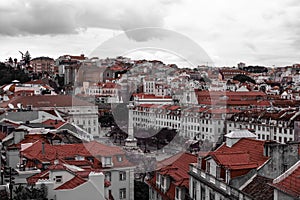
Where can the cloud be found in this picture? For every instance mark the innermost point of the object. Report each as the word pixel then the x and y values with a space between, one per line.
pixel 68 17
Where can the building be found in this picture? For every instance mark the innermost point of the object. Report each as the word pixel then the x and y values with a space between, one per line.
pixel 271 124
pixel 287 185
pixel 171 179
pixel 241 168
pixel 74 110
pixel 229 73
pixel 214 175
pixel 201 122
pixel 110 160
pixel 44 65
pixel 65 182
pixel 108 92
pixel 68 67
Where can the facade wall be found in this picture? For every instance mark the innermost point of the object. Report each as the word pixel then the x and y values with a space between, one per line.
pixel 189 125
pixel 283 156
pixel 85 117
pixel 279 132
pixel 43 65
pixel 117 184
pixel 278 195
pixel 13 158
pixel 66 176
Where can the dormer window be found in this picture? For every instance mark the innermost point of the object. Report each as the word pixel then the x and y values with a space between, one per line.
pixel 106 161
pixel 120 158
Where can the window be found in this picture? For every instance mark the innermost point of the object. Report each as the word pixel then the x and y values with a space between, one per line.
pixel 120 158
pixel 211 195
pixel 58 179
pixel 108 176
pixel 177 193
pixel 123 193
pixel 107 161
pixel 208 167
pixel 122 176
pixel 202 193
pixel 162 182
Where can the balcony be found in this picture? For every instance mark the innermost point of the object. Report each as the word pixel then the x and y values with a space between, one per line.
pixel 215 183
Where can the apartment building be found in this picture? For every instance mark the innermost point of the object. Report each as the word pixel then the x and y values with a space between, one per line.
pixel 202 122
pixel 277 125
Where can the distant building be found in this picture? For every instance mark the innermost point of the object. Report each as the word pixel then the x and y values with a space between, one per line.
pixel 277 125
pixel 44 65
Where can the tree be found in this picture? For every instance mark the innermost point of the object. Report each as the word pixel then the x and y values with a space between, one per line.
pixel 27 58
pixel 141 191
pixel 29 193
pixel 10 60
pixel 243 78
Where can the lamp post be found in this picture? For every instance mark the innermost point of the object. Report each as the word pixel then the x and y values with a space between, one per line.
pixel 1 145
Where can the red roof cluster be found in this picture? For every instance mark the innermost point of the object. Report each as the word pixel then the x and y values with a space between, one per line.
pixel 67 151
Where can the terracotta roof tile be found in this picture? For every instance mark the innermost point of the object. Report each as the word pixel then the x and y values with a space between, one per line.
pixel 71 184
pixel 245 154
pixel 259 188
pixel 290 183
pixel 47 101
pixel 177 168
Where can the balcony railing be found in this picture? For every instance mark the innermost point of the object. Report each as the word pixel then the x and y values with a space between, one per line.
pixel 217 183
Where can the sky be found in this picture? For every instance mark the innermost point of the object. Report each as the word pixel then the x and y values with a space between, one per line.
pixel 252 31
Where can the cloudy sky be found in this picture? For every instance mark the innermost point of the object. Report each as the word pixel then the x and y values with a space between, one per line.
pixel 252 31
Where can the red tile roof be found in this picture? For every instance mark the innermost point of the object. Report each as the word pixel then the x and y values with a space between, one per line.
pixel 259 188
pixel 71 184
pixel 91 149
pixel 44 175
pixel 177 168
pixel 245 154
pixel 55 123
pixel 38 82
pixel 30 138
pixel 254 148
pixel 2 135
pixel 234 160
pixel 47 101
pixel 289 182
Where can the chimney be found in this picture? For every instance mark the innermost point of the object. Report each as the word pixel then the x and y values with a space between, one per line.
pixel 43 148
